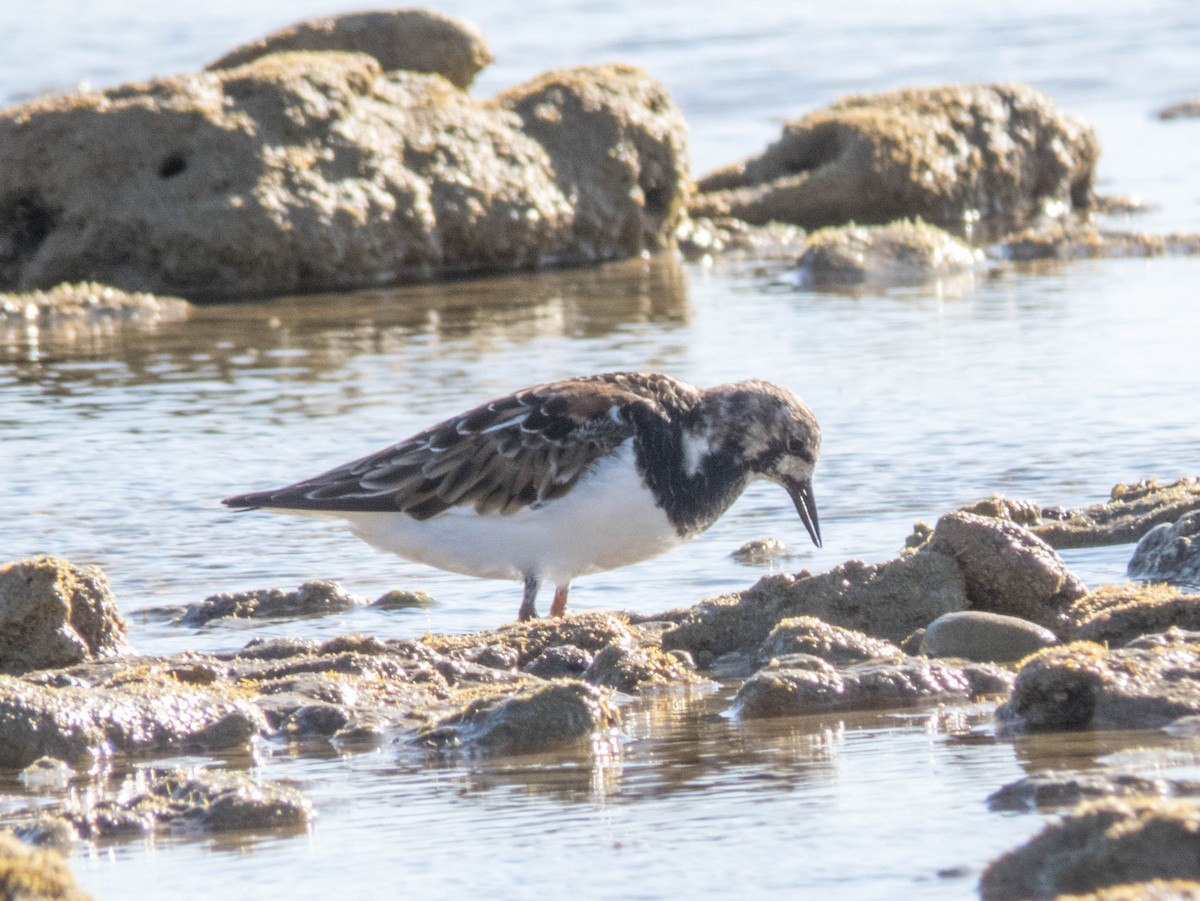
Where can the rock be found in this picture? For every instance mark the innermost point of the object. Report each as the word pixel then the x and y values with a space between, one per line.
pixel 415 40
pixel 1086 686
pixel 629 668
pixel 309 171
pixel 1118 614
pixel 762 551
pixel 835 645
pixel 318 598
pixel 1169 553
pixel 803 684
pixel 956 156
pixel 1154 890
pixel 728 239
pixel 1068 240
pixel 1184 109
pixel 209 801
pixel 1131 511
pixel 901 253
pixel 88 303
pixel 1101 844
pixel 1008 569
pixel 621 656
pixel 136 712
pixel 984 637
pixel 1050 789
pixel 558 661
pixel 528 722
pixel 31 874
pixel 398 599
pixel 55 614
pixel 888 600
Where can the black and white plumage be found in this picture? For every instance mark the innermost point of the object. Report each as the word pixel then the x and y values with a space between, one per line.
pixel 568 478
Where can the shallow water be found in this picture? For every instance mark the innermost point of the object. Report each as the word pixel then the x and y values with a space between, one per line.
pixel 1050 383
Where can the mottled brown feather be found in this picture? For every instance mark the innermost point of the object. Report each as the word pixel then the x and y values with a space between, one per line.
pixel 541 440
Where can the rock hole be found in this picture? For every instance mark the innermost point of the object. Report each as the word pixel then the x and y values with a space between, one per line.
pixel 27 221
pixel 172 165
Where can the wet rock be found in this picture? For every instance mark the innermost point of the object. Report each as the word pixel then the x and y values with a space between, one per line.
pixel 35 874
pixel 1050 789
pixel 53 614
pixel 558 661
pixel 318 598
pixel 1101 844
pixel 802 684
pixel 137 710
pixel 989 155
pixel 1087 686
pixel 762 551
pixel 1169 553
pixel 502 657
pixel 1008 569
pixel 984 637
pixel 1080 240
pixel 527 722
pixel 415 40
pixel 900 253
pixel 1118 614
pixel 888 600
pixel 629 668
pixel 309 171
pixel 1131 511
pixel 642 662
pixel 811 636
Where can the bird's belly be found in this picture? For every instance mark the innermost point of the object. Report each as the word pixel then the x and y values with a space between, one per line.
pixel 608 519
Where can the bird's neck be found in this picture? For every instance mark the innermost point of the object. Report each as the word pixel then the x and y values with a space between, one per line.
pixel 693 481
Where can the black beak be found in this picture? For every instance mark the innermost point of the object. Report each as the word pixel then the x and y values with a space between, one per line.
pixel 806 506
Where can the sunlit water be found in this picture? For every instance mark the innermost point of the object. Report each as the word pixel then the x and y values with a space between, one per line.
pixel 1051 384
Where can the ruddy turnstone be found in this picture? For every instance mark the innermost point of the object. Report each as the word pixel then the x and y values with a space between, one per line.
pixel 568 478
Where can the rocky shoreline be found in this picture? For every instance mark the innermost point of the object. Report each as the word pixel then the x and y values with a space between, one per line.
pixel 976 609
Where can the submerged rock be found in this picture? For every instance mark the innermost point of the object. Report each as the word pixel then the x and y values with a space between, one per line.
pixel 984 637
pixel 900 253
pixel 1050 789
pixel 802 684
pixel 809 635
pixel 534 720
pixel 1118 614
pixel 35 874
pixel 53 614
pixel 318 598
pixel 1087 686
pixel 958 155
pixel 415 40
pixel 1183 109
pixel 1169 553
pixel 1098 845
pixel 306 171
pixel 182 800
pixel 762 551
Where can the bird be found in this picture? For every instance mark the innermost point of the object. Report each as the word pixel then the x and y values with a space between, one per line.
pixel 568 478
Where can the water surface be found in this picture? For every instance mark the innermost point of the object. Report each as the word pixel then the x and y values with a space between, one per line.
pixel 1050 383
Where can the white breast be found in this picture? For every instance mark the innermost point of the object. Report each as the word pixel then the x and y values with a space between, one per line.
pixel 608 519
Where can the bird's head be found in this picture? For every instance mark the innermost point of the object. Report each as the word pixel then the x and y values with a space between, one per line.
pixel 780 440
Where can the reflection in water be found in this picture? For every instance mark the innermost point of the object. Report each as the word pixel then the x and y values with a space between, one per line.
pixel 302 338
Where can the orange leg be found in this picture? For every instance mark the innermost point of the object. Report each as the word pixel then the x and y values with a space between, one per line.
pixel 559 606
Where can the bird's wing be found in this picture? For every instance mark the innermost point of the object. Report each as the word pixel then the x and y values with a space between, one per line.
pixel 514 452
